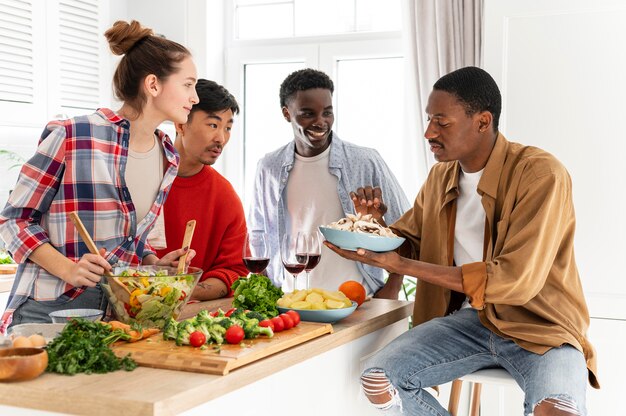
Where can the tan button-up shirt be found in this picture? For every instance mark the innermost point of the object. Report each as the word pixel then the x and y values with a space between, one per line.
pixel 527 288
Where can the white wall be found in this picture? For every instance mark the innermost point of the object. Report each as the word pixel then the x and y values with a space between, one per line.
pixel 197 24
pixel 560 65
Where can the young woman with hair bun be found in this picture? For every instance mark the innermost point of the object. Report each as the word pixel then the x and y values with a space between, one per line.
pixel 114 168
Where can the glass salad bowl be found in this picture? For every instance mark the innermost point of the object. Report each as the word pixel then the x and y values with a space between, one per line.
pixel 149 295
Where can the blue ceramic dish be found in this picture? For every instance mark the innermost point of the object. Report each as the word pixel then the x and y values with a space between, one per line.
pixel 322 315
pixel 349 240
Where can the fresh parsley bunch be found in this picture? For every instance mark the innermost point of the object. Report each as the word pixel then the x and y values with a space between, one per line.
pixel 83 347
pixel 256 293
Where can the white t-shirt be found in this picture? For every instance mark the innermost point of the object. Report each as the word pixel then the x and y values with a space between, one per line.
pixel 313 200
pixel 143 176
pixel 469 228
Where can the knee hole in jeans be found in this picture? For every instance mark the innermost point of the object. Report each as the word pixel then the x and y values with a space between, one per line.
pixel 561 404
pixel 379 390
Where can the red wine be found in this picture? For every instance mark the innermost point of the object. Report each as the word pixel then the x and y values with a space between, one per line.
pixel 314 259
pixel 256 264
pixel 301 257
pixel 294 268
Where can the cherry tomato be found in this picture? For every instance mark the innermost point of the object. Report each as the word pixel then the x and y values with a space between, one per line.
pixel 230 312
pixel 279 325
pixel 286 320
pixel 268 322
pixel 295 316
pixel 132 313
pixel 234 334
pixel 197 339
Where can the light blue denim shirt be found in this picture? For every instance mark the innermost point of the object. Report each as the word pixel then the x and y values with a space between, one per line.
pixel 354 166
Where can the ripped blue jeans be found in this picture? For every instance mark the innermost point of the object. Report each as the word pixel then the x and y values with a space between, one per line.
pixel 447 348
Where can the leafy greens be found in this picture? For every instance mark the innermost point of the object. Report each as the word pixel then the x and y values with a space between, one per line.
pixel 256 293
pixel 83 347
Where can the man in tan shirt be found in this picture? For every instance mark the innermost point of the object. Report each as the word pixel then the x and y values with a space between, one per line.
pixel 490 239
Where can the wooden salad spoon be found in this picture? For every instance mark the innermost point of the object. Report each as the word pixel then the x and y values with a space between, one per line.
pixel 189 228
pixel 120 291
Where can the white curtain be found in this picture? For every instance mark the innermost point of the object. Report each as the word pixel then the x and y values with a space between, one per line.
pixel 439 37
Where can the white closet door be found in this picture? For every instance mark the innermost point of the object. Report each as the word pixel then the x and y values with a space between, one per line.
pixel 560 65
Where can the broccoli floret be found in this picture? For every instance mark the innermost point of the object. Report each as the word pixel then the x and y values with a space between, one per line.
pixel 171 329
pixel 185 328
pixel 249 327
pixel 255 315
pixel 203 316
pixel 216 333
pixel 253 330
pixel 238 313
pixel 224 322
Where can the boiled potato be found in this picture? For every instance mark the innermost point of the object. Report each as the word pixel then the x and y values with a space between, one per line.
pixel 334 304
pixel 301 304
pixel 284 302
pixel 314 298
pixel 299 295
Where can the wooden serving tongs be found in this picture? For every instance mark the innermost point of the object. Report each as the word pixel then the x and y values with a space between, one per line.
pixel 189 228
pixel 120 291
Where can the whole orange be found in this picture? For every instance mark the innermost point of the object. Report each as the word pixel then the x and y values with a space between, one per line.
pixel 354 291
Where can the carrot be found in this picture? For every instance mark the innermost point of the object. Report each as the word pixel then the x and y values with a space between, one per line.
pixel 119 325
pixel 149 332
pixel 134 335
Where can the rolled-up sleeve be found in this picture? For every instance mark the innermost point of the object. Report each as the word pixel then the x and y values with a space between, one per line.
pixel 36 187
pixel 475 282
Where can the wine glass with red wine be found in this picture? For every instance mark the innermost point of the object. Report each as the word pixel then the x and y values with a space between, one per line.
pixel 255 252
pixel 294 254
pixel 314 242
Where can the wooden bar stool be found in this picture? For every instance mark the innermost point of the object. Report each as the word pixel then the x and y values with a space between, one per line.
pixel 489 376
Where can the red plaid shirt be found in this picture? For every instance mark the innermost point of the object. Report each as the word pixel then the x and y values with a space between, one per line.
pixel 79 166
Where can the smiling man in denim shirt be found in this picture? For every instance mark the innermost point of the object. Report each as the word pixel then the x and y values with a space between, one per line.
pixel 307 183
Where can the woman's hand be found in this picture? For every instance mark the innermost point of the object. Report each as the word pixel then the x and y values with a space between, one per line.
pixel 88 270
pixel 368 200
pixel 171 259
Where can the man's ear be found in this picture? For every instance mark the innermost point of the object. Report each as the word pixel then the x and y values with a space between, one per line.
pixel 286 114
pixel 152 85
pixel 180 129
pixel 485 120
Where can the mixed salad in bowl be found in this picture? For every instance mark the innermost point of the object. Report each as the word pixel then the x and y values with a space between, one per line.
pixel 149 295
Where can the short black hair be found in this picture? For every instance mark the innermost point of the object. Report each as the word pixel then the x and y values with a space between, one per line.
pixel 213 98
pixel 302 80
pixel 475 89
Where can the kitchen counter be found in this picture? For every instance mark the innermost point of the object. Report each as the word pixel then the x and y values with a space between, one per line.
pixel 328 364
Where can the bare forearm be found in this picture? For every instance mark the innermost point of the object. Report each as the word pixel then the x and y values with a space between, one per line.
pixel 210 289
pixel 449 277
pixel 149 260
pixel 52 261
pixel 392 287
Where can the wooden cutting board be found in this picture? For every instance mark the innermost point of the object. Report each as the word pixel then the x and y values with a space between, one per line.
pixel 8 268
pixel 158 353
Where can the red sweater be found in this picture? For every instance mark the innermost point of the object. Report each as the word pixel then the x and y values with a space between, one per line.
pixel 220 229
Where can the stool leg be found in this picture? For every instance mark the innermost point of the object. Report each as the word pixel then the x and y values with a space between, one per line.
pixel 475 410
pixel 455 394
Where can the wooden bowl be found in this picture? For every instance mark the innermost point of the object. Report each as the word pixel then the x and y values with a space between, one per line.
pixel 18 364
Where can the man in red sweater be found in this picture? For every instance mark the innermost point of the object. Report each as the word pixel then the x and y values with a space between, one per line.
pixel 199 192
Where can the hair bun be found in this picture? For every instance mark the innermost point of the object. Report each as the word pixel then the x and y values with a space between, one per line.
pixel 122 36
